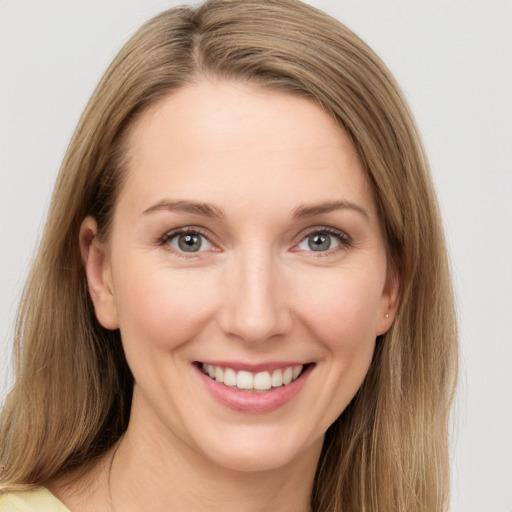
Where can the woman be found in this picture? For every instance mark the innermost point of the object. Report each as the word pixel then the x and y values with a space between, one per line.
pixel 242 297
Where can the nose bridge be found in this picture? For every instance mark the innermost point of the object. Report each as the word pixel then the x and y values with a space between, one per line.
pixel 255 307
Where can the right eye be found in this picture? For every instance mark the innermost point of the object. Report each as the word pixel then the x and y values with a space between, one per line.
pixel 187 241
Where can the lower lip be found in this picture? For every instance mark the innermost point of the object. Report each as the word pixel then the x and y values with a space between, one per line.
pixel 254 402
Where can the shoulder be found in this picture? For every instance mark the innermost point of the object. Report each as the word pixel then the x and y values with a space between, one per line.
pixel 36 500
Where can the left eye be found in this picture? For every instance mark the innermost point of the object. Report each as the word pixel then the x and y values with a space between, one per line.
pixel 189 242
pixel 320 241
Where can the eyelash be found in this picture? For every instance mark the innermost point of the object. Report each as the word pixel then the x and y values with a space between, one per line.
pixel 344 240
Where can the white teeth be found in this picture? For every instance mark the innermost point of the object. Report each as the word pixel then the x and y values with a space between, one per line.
pixel 229 377
pixel 287 376
pixel 260 381
pixel 244 380
pixel 219 374
pixel 277 378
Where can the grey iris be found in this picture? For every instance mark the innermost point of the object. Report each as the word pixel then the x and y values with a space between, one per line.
pixel 190 242
pixel 319 242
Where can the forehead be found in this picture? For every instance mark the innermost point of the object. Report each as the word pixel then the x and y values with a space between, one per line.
pixel 264 146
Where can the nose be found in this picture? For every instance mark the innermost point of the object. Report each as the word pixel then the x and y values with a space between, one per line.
pixel 255 306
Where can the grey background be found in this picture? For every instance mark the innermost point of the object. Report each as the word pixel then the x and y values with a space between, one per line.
pixel 453 59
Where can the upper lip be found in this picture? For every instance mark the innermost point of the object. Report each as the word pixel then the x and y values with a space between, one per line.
pixel 254 367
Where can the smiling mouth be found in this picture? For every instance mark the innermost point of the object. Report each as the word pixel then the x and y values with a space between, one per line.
pixel 248 381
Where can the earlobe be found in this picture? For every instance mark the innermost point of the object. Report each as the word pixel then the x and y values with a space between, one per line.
pixel 99 277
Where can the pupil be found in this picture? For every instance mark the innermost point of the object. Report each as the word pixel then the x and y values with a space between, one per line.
pixel 319 242
pixel 189 243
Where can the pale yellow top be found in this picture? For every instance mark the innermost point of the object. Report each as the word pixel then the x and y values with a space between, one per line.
pixel 38 500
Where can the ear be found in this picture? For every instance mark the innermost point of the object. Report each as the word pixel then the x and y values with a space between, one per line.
pixel 390 300
pixel 99 276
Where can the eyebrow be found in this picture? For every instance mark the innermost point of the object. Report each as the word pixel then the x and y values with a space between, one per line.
pixel 204 209
pixel 330 206
pixel 209 210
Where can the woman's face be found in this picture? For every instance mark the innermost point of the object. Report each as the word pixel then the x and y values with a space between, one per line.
pixel 245 248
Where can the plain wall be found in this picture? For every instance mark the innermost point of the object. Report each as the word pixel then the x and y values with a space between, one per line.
pixel 453 59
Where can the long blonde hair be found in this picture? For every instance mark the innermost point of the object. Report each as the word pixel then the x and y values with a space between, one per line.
pixel 388 451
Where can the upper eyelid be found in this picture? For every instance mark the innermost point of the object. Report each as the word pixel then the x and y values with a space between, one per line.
pixel 324 229
pixel 187 229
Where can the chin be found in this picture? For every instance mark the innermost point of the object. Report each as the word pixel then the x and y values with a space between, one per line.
pixel 262 451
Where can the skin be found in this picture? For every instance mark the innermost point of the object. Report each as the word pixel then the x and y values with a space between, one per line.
pixel 256 292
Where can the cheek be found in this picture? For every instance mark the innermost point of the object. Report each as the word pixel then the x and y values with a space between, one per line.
pixel 339 309
pixel 161 308
pixel 343 307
